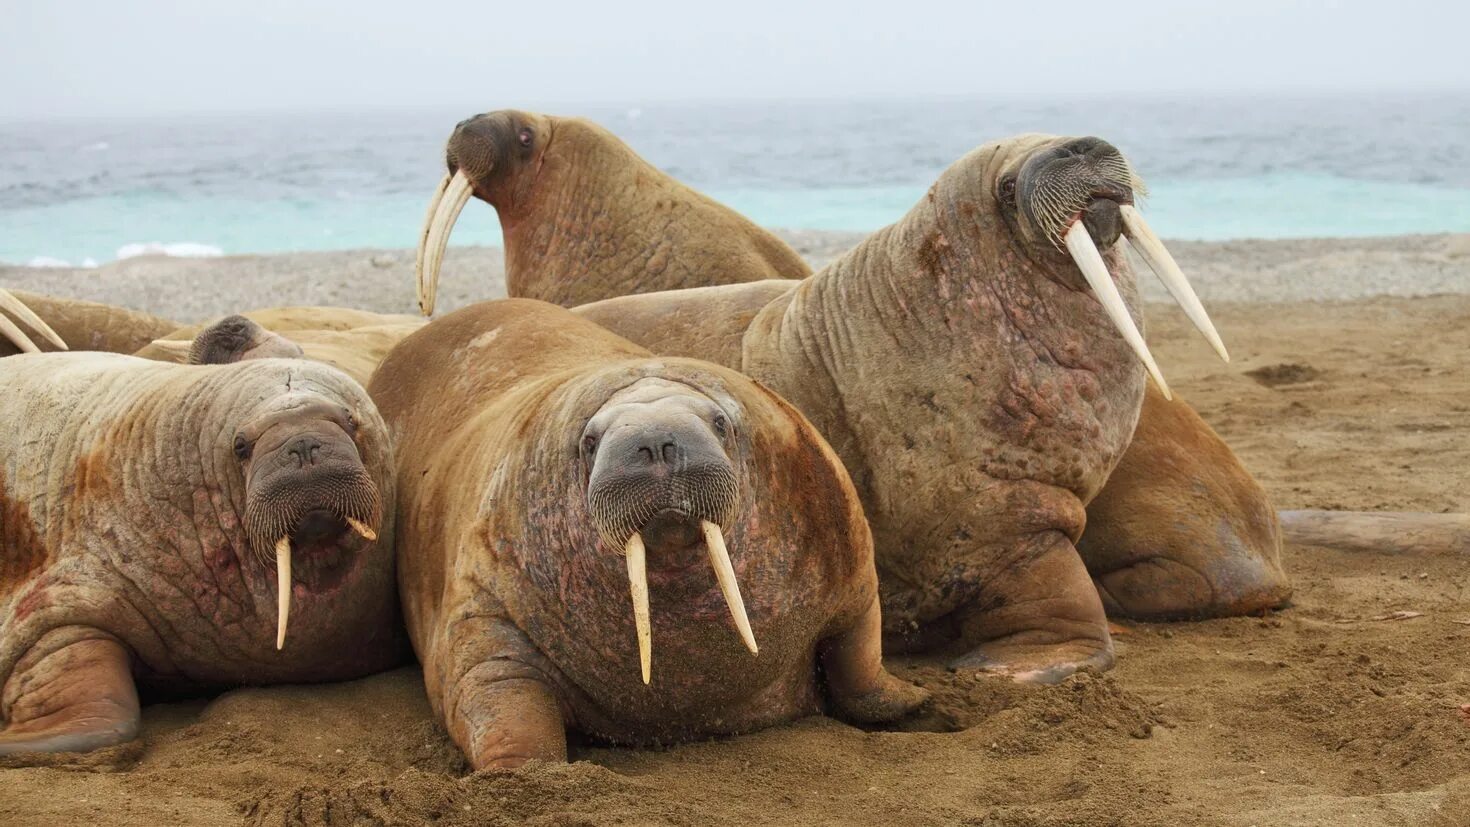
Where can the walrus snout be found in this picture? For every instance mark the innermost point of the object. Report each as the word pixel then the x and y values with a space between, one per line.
pixel 1058 183
pixel 235 339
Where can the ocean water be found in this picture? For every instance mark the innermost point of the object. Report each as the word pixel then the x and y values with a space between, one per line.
pixel 81 191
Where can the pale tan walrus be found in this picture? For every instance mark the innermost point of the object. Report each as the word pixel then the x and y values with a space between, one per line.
pixel 1220 556
pixel 643 549
pixel 77 325
pixel 183 528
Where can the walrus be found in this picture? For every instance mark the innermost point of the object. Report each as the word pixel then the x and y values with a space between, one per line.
pixel 181 529
pixel 582 214
pixel 353 341
pixel 557 482
pixel 979 367
pixel 76 325
pixel 1202 472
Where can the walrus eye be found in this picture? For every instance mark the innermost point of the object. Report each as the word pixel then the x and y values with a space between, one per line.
pixel 589 444
pixel 1008 192
pixel 242 448
pixel 524 136
pixel 352 422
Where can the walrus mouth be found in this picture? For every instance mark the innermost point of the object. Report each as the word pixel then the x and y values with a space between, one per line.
pixel 25 314
pixel 719 558
pixel 283 572
pixel 1142 238
pixel 452 194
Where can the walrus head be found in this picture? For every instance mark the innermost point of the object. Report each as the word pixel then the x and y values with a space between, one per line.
pixel 307 492
pixel 486 156
pixel 235 339
pixel 1068 199
pixel 661 483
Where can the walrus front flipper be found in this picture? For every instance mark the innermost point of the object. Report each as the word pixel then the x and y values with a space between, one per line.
pixel 75 698
pixel 860 688
pixel 1182 530
pixel 1039 617
pixel 502 711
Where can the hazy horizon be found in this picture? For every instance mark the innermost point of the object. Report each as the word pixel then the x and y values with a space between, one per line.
pixel 96 59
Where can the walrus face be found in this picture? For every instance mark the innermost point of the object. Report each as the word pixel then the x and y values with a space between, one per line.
pixel 235 339
pixel 660 484
pixel 307 493
pixel 494 157
pixel 1066 200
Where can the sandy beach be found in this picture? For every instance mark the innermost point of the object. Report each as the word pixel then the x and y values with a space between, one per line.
pixel 1348 390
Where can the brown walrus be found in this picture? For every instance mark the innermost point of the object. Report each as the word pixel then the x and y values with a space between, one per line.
pixel 583 217
pixel 977 367
pixel 353 341
pixel 187 528
pixel 549 472
pixel 1202 477
pixel 79 325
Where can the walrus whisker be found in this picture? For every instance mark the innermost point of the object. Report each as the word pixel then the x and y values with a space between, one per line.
pixel 25 314
pixel 719 558
pixel 1090 262
pixel 283 589
pixel 638 586
pixel 1143 239
pixel 449 199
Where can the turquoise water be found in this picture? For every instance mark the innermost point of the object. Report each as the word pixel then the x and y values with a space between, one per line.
pixel 79 191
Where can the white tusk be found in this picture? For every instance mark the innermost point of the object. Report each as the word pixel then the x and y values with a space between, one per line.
pixel 449 199
pixel 719 557
pixel 363 529
pixel 638 585
pixel 15 335
pixel 1143 239
pixel 1090 262
pixel 175 348
pixel 25 314
pixel 283 589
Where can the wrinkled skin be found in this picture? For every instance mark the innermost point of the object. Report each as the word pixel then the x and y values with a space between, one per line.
pixel 532 443
pixel 85 325
pixel 352 341
pixel 570 234
pixel 582 214
pixel 139 506
pixel 974 389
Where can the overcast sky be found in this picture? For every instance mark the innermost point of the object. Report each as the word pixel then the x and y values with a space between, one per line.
pixel 97 57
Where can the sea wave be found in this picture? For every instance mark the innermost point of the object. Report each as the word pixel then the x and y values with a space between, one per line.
pixel 181 249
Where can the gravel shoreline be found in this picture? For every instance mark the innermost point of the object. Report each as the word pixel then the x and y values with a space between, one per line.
pixel 193 289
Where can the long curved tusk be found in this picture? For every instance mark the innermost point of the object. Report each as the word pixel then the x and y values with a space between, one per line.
pixel 15 335
pixel 719 557
pixel 25 314
pixel 1090 262
pixel 363 528
pixel 638 585
pixel 283 589
pixel 449 199
pixel 1143 239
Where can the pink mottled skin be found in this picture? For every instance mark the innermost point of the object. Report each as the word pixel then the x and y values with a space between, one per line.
pixel 975 390
pixel 125 553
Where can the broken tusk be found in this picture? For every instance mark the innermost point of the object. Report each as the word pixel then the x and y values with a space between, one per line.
pixel 638 586
pixel 1090 262
pixel 719 557
pixel 175 348
pixel 283 589
pixel 25 314
pixel 363 529
pixel 1151 249
pixel 449 199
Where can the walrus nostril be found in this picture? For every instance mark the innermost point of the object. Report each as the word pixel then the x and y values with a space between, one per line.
pixel 304 450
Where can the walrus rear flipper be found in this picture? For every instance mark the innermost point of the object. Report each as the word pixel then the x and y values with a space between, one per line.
pixel 1397 532
pixel 89 701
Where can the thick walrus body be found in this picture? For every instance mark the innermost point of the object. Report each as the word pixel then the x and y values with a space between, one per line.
pixel 631 238
pixel 543 461
pixel 146 512
pixel 973 383
pixel 584 217
pixel 85 325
